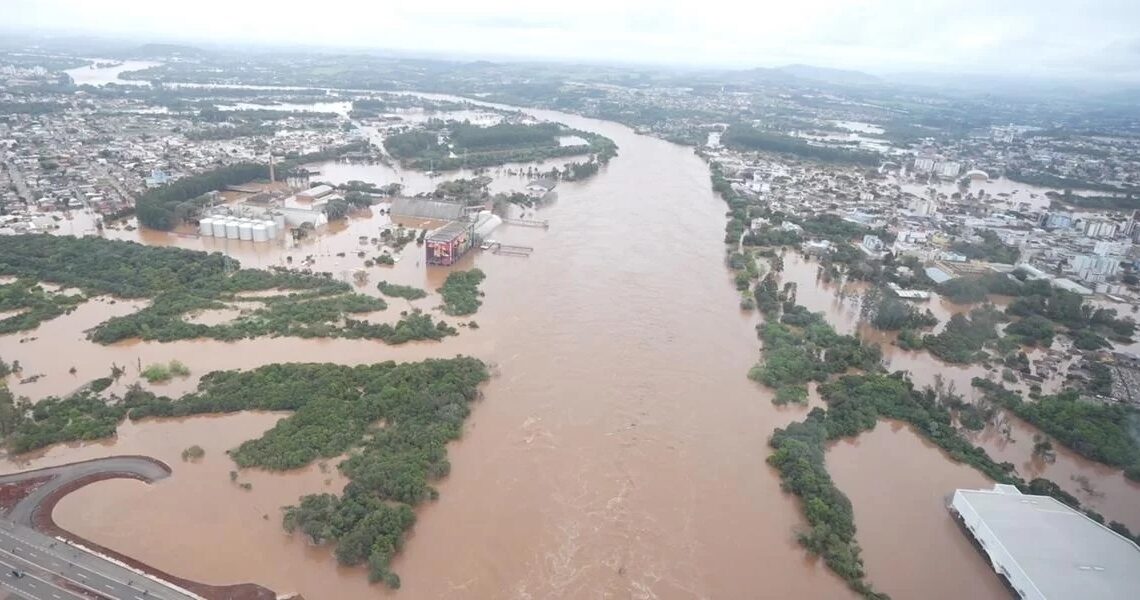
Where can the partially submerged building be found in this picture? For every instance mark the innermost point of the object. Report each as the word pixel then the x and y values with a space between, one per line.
pixel 449 243
pixel 1045 549
pixel 421 208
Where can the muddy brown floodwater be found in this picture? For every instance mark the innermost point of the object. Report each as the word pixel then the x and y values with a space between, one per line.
pixel 620 450
pixel 927 556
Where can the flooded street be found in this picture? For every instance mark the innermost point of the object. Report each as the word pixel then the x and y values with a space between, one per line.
pixel 620 449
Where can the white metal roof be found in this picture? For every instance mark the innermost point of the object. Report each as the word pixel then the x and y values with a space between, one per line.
pixel 1064 553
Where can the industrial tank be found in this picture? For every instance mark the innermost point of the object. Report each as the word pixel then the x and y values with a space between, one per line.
pixel 270 230
pixel 206 227
pixel 219 226
pixel 245 230
pixel 260 232
pixel 232 230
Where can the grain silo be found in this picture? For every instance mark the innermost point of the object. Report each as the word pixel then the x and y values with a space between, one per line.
pixel 206 227
pixel 232 229
pixel 245 230
pixel 260 232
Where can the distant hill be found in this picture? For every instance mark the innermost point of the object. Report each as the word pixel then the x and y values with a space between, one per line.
pixel 162 51
pixel 828 75
pixel 791 74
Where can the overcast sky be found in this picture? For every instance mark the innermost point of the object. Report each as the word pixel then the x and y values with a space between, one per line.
pixel 1093 38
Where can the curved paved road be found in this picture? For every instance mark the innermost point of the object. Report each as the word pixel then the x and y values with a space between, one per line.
pixel 136 467
pixel 35 565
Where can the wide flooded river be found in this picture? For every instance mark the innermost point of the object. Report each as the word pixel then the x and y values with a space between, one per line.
pixel 620 449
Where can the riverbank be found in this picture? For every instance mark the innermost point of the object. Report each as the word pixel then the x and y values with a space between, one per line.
pixel 629 463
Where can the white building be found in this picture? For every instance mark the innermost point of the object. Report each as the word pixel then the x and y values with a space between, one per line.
pixel 1107 248
pixel 1100 228
pixel 1095 268
pixel 924 165
pixel 949 169
pixel 1046 550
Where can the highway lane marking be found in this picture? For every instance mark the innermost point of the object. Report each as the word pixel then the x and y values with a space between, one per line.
pixel 77 565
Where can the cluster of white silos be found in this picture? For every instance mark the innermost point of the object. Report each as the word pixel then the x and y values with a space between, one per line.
pixel 239 228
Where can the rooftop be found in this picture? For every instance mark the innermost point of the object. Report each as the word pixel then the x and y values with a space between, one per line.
pixel 449 232
pixel 1061 551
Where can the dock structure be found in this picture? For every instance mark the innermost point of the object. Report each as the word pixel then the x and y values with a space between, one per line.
pixel 1043 549
pixel 528 223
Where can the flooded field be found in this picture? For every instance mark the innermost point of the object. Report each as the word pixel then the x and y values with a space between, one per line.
pixel 620 450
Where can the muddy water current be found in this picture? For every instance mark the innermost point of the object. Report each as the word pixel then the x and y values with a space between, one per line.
pixel 619 451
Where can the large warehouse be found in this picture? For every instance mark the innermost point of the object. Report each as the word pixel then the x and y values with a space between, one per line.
pixel 1044 549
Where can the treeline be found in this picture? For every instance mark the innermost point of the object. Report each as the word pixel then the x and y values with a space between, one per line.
pixel 504 135
pixel 746 137
pixel 1043 179
pixel 396 419
pixel 165 207
pixel 1129 202
pixel 480 147
pixel 1103 432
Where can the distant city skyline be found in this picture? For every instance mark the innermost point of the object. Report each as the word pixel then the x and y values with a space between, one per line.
pixel 1026 38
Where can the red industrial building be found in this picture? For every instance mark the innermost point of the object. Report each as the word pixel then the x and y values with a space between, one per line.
pixel 449 243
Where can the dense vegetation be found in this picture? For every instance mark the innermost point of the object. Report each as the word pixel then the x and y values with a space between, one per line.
pixel 1043 308
pixel 453 145
pixel 1103 432
pixel 461 293
pixel 803 347
pixel 746 137
pixel 885 311
pixel 990 248
pixel 394 290
pixel 974 288
pixel 395 418
pixel 31 305
pixel 180 282
pixel 964 336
